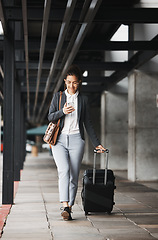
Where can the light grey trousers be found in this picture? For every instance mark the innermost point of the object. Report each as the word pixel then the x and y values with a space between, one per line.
pixel 68 154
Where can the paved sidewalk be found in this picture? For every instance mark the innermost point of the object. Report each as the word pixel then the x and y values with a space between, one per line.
pixel 36 212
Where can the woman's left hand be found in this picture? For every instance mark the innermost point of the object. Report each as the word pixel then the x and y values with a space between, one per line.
pixel 101 149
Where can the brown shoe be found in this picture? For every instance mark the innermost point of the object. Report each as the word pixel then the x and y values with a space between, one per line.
pixel 66 214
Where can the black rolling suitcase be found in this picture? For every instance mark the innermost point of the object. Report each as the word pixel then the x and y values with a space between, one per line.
pixel 98 188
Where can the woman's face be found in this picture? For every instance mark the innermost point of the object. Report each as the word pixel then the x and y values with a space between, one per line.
pixel 72 84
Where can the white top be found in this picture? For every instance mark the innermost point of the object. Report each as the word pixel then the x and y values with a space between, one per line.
pixel 71 120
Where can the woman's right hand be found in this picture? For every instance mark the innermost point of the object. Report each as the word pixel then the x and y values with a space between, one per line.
pixel 100 148
pixel 68 109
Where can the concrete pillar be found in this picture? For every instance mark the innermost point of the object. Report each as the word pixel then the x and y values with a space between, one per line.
pixel 143 126
pixel 23 135
pixel 8 116
pixel 114 126
pixel 17 133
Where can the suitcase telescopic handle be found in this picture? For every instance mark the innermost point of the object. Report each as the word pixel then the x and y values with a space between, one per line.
pixel 106 165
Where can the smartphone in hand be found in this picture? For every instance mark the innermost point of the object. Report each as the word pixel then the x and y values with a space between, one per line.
pixel 70 104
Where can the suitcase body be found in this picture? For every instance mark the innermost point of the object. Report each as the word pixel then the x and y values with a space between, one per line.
pixel 98 190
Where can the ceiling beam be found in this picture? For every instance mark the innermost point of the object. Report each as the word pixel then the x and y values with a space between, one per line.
pixel 36 14
pixel 100 45
pixel 103 66
pixel 90 45
pixel 33 89
pixel 127 15
pixel 85 65
pixel 33 80
pixel 105 14
pixel 34 44
pixel 33 65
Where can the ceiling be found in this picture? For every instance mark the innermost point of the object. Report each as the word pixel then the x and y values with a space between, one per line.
pixel 51 35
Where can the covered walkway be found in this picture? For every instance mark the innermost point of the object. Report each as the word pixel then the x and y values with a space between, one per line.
pixel 36 212
pixel 115 43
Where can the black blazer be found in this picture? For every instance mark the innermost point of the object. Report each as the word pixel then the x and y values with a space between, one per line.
pixel 83 115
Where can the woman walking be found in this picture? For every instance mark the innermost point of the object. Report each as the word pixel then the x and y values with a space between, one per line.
pixel 69 148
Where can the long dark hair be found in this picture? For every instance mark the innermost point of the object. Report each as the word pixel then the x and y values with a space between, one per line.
pixel 74 70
